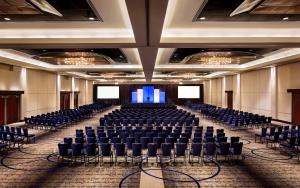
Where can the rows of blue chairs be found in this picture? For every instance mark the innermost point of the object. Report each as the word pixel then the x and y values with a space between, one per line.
pixel 62 118
pixel 161 144
pixel 157 117
pixel 287 138
pixel 10 137
pixel 235 119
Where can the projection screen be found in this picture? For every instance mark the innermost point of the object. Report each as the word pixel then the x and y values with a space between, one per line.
pixel 188 92
pixel 107 92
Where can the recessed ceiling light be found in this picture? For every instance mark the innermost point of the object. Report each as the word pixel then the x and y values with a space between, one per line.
pixel 202 18
pixel 44 50
pixel 285 18
pixel 91 18
pixel 7 19
pixel 92 50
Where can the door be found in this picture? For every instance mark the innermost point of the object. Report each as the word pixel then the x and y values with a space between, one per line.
pixel 229 99
pixel 76 99
pixel 64 100
pixel 12 109
pixel 2 108
pixel 296 108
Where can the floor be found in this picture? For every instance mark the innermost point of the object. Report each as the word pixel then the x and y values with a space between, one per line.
pixel 35 165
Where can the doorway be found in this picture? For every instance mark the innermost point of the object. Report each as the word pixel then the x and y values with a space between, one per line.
pixel 229 99
pixel 65 97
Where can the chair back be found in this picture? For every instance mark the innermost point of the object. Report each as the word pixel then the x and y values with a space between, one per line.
pixel 19 131
pixel 63 149
pixel 136 149
pixel 144 142
pixel 91 140
pixel 25 131
pixel 184 140
pixel 210 148
pixel 152 149
pixel 237 148
pixel 76 149
pixel 69 142
pixel 129 142
pixel 224 148
pixel 90 149
pixel 158 141
pixel 180 149
pixel 196 149
pixel 105 149
pixel 102 140
pixel 120 149
pixel 166 149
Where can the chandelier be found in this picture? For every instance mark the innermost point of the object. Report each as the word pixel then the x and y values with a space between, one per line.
pixel 76 61
pixel 215 60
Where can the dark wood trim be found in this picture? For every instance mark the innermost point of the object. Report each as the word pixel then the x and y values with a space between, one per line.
pixel 7 92
pixel 76 91
pixel 282 121
pixel 229 91
pixel 293 90
pixel 65 91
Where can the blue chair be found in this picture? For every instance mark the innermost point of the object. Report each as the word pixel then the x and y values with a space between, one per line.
pixel 289 144
pixel 91 153
pixel 197 140
pixel 14 139
pixel 102 140
pixel 91 140
pixel 236 150
pixel 136 152
pixel 180 151
pixel 183 140
pixel 209 150
pixel 171 140
pixel 77 152
pixel 223 150
pixel 69 142
pixel 115 140
pixel 120 151
pixel 196 149
pixel 152 151
pixel 144 142
pixel 262 135
pixel 63 152
pixel 28 136
pixel 105 151
pixel 158 141
pixel 129 142
pixel 166 152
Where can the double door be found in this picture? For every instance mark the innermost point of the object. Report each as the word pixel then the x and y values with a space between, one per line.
pixel 9 109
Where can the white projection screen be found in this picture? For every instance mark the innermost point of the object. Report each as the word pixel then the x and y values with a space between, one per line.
pixel 188 92
pixel 107 92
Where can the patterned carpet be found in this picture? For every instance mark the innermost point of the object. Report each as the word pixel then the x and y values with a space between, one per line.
pixel 35 165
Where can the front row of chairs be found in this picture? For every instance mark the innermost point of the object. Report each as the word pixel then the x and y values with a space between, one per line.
pixel 89 152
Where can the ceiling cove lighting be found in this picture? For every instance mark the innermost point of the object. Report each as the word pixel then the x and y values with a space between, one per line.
pixel 7 19
pixel 91 18
pixel 202 18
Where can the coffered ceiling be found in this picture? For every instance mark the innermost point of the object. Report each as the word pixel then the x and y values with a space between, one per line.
pixel 149 41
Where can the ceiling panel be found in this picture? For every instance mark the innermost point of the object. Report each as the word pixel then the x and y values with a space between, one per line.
pixel 46 10
pixel 245 10
pixel 79 56
pixel 217 55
